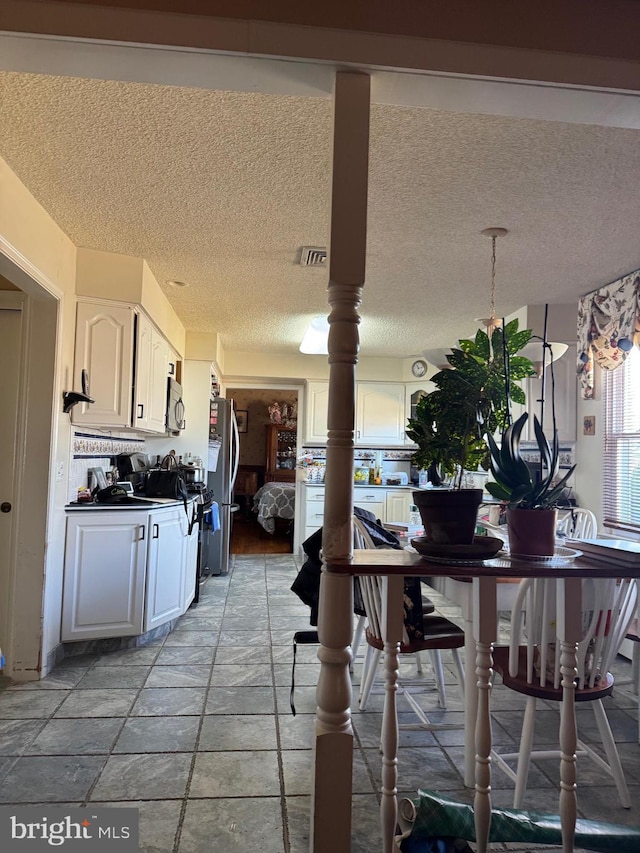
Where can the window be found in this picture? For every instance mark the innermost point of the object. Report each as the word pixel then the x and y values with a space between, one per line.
pixel 621 498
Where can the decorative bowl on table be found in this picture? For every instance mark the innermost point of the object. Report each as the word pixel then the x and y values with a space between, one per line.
pixel 482 548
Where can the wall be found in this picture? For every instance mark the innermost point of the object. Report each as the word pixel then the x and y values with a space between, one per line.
pixel 255 402
pixel 249 365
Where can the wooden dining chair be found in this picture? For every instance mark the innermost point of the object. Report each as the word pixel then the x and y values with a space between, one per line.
pixel 437 633
pixel 578 523
pixel 530 665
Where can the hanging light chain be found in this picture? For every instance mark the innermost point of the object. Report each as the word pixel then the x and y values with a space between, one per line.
pixel 492 301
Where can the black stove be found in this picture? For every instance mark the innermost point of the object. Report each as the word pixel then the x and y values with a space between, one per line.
pixel 204 499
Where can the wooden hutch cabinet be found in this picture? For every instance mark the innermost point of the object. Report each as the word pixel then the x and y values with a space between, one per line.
pixel 281 454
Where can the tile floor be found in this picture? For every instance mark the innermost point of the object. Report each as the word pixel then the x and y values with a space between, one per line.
pixel 195 731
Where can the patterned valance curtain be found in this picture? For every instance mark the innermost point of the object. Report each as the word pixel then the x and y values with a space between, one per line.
pixel 608 322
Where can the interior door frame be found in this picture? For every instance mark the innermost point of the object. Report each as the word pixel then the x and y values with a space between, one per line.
pixel 36 445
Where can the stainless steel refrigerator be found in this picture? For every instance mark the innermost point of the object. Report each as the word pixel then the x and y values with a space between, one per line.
pixel 222 469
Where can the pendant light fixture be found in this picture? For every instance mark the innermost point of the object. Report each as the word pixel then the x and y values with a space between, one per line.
pixel 492 322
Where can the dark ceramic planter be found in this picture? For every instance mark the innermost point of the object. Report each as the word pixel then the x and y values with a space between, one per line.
pixel 532 532
pixel 449 516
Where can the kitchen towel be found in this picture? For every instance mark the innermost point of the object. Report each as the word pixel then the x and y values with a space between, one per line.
pixel 212 517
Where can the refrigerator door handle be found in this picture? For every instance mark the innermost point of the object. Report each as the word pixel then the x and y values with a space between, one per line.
pixel 235 449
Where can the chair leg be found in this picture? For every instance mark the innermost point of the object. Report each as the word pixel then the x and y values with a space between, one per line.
pixel 418 663
pixel 372 660
pixel 524 756
pixel 357 637
pixel 438 671
pixel 457 662
pixel 611 751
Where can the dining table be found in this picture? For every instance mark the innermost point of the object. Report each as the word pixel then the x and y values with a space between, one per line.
pixel 333 692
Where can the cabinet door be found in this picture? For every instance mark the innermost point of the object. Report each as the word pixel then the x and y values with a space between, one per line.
pixel 566 395
pixel 414 392
pixel 152 356
pixel 165 559
pixel 104 574
pixel 316 408
pixel 380 413
pixel 397 506
pixel 158 382
pixel 144 331
pixel 104 347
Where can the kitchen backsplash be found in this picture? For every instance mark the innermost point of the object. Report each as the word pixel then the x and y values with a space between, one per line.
pixel 95 450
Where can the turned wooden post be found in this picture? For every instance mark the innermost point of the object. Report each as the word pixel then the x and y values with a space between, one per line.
pixel 569 614
pixel 485 630
pixel 333 742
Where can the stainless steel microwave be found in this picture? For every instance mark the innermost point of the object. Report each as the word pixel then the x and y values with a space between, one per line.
pixel 175 407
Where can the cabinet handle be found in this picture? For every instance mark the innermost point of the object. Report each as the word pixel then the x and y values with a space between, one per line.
pixel 140 410
pixel 142 529
pixel 357 433
pixel 172 368
pixel 156 531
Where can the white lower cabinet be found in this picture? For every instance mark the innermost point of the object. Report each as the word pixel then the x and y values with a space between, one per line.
pixel 397 506
pixel 371 501
pixel 386 504
pixel 164 593
pixel 126 571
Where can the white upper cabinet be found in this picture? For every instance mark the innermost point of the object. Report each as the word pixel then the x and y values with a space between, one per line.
pixel 152 357
pixel 127 360
pixel 316 408
pixel 104 348
pixel 566 395
pixel 380 413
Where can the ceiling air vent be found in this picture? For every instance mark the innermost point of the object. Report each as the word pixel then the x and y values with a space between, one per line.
pixel 313 256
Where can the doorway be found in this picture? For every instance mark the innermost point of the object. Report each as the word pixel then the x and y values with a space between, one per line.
pixel 29 326
pixel 265 467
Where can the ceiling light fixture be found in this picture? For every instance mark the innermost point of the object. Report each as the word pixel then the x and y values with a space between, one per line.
pixel 553 350
pixel 492 322
pixel 316 337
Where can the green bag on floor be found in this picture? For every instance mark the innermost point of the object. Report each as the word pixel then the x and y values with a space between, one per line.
pixel 434 816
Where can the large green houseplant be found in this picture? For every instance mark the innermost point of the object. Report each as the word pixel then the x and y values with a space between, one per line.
pixel 531 495
pixel 471 399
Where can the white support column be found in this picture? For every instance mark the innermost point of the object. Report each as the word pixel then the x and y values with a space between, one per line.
pixel 569 610
pixel 333 744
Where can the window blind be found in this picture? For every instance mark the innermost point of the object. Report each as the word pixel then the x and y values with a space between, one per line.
pixel 621 473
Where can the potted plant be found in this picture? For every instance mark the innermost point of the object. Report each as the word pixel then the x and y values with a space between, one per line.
pixel 471 399
pixel 531 500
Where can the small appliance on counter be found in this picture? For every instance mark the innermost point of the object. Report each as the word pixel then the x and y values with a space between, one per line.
pixel 134 468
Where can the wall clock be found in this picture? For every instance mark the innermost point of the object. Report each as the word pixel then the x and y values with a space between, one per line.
pixel 419 368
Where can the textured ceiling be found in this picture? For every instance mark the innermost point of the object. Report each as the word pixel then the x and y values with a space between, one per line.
pixel 221 189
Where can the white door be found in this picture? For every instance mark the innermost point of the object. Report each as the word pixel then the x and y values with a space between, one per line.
pixel 11 336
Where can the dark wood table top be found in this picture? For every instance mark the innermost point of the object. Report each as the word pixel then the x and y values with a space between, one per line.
pixel 390 562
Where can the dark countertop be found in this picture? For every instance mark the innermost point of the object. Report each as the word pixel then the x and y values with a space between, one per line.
pixel 132 503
